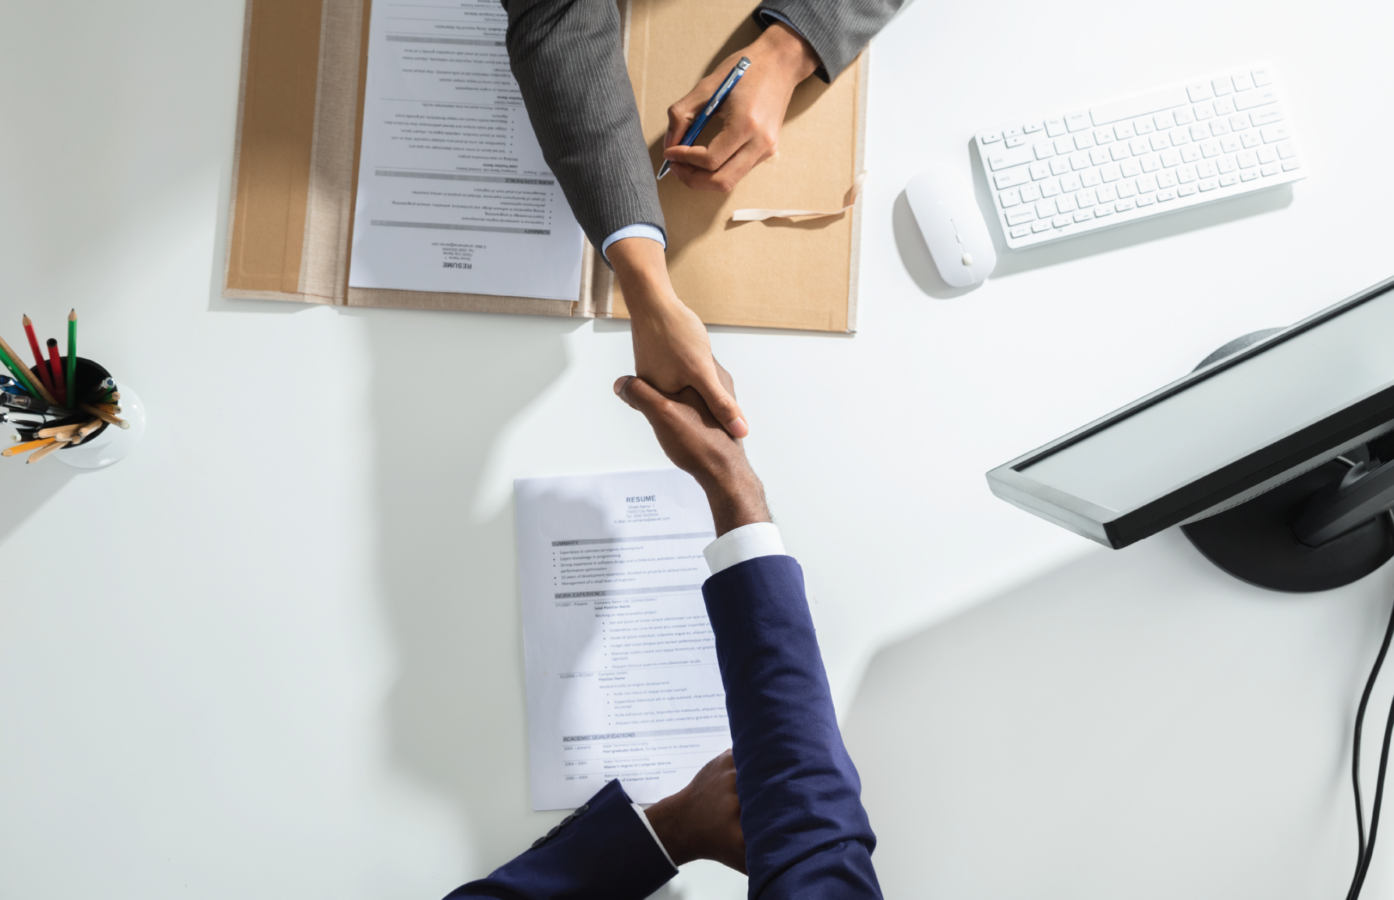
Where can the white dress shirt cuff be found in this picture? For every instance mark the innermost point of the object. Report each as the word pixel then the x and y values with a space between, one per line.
pixel 649 825
pixel 740 544
pixel 652 232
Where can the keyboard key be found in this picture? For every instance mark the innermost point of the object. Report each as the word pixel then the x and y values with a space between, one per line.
pixel 1077 121
pixel 1140 105
pixel 1110 173
pixel 1203 111
pixel 1164 196
pixel 1229 143
pixel 1083 216
pixel 1247 159
pixel 1005 159
pixel 1139 146
pixel 1011 179
pixel 1262 78
pixel 1143 125
pixel 991 137
pixel 1185 190
pixel 1159 141
pixel 1099 155
pixel 1248 175
pixel 1269 170
pixel 1146 199
pixel 1222 86
pixel 1085 198
pixel 1124 205
pixel 1147 184
pixel 1066 204
pixel 1210 148
pixel 1106 194
pixel 1199 91
pixel 1224 107
pixel 1186 174
pixel 1061 221
pixel 1238 123
pixel 1009 198
pixel 1084 140
pixel 1069 183
pixel 1205 169
pixel 1124 131
pixel 1103 135
pixel 1016 140
pixel 1243 82
pixel 1267 155
pixel 1265 115
pixel 1102 211
pixel 1208 184
pixel 1038 227
pixel 1249 140
pixel 1031 128
pixel 1059 165
pixel 1030 193
pixel 1021 231
pixel 1257 98
pixel 1166 179
pixel 1055 127
pixel 1163 121
pixel 1272 133
pixel 1079 161
pixel 1011 132
pixel 1179 136
pixel 1183 116
pixel 1038 170
pixel 1131 167
pixel 1024 214
pixel 1226 164
pixel 1171 158
pixel 1120 151
pixel 1044 150
pixel 1064 145
pixel 1045 209
pixel 1190 153
pixel 1090 177
pixel 1151 163
pixel 1286 150
pixel 1289 165
pixel 1126 189
pixel 1228 180
pixel 1219 127
pixel 1050 187
pixel 1199 132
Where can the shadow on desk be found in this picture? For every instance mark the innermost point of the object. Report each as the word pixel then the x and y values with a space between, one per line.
pixel 27 488
pixel 1133 724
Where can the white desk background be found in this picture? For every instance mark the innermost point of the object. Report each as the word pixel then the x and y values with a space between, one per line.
pixel 276 652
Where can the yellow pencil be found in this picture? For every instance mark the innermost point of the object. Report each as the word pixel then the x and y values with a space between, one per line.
pixel 24 448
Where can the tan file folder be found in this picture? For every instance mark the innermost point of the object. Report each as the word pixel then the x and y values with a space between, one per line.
pixel 299 131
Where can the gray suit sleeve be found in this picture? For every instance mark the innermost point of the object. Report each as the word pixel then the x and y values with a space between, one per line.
pixel 568 58
pixel 836 29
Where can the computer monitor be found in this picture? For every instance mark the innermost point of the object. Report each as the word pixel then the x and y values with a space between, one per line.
pixel 1301 408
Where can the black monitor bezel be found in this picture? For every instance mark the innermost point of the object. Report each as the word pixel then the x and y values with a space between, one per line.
pixel 1291 453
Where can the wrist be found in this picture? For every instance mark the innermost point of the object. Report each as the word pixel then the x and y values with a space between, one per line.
pixel 737 501
pixel 790 52
pixel 642 272
pixel 667 817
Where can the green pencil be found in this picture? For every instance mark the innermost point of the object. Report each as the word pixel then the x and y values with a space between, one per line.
pixel 71 375
pixel 21 374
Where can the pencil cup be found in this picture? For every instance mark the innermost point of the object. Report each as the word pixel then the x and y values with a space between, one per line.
pixel 108 444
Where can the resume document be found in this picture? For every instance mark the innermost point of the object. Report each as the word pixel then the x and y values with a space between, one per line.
pixel 453 192
pixel 621 662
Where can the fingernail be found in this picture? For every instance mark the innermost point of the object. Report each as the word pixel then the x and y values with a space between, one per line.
pixel 738 427
pixel 620 383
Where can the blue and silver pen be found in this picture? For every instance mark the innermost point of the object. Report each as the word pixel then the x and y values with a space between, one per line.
pixel 695 129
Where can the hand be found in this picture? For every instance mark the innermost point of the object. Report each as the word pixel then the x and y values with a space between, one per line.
pixel 698 445
pixel 671 347
pixel 703 820
pixel 750 118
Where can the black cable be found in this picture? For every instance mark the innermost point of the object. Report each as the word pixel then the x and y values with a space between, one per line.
pixel 1367 850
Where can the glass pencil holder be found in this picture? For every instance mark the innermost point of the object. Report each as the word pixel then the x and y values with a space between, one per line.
pixel 109 444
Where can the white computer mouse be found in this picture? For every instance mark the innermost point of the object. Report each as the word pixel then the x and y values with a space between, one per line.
pixel 952 226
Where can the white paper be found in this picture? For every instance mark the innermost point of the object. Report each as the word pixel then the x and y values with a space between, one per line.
pixel 453 192
pixel 620 658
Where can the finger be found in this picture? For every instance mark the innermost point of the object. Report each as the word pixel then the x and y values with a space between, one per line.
pixel 681 114
pixel 727 382
pixel 728 176
pixel 724 407
pixel 713 156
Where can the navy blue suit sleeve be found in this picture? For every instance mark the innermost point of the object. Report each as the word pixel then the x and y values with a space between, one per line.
pixel 600 852
pixel 806 833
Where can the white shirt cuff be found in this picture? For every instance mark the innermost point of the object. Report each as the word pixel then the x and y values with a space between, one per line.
pixel 652 232
pixel 740 544
pixel 649 825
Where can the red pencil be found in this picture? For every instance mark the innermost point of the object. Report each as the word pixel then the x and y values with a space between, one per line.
pixel 55 365
pixel 38 355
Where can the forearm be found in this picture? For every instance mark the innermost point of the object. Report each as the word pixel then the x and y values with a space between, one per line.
pixel 836 30
pixel 567 57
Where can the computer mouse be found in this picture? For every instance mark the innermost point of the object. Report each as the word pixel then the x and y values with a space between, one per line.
pixel 952 226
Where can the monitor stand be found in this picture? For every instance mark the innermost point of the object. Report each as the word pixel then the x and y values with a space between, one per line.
pixel 1255 541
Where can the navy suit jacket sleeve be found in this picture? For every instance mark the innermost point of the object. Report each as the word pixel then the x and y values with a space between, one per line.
pixel 806 833
pixel 601 850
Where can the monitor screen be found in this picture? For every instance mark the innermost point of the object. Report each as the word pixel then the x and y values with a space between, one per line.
pixel 1216 419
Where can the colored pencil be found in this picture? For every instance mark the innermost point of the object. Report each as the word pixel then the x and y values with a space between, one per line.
pixel 38 354
pixel 21 374
pixel 55 368
pixel 24 448
pixel 44 451
pixel 72 354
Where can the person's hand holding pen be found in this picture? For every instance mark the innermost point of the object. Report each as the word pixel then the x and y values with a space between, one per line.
pixel 671 348
pixel 751 117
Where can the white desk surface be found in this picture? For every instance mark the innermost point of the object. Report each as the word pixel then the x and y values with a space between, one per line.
pixel 276 652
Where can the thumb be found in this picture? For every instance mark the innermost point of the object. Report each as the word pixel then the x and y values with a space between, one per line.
pixel 638 393
pixel 724 407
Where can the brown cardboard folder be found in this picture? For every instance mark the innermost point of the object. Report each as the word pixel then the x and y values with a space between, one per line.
pixel 298 138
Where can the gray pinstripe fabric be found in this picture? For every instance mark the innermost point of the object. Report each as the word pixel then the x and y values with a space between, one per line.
pixel 568 58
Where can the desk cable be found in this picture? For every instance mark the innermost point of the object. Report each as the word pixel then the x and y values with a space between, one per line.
pixel 1367 850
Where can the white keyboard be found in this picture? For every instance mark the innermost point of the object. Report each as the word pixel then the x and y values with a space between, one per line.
pixel 1072 173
